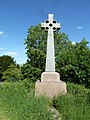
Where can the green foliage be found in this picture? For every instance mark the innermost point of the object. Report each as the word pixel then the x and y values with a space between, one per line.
pixel 17 102
pixel 72 61
pixel 30 72
pixel 12 74
pixel 5 62
pixel 75 105
pixel 36 47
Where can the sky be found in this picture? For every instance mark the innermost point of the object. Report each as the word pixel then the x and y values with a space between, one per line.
pixel 16 16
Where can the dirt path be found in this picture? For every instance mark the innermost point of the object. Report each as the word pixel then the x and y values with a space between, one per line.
pixel 55 114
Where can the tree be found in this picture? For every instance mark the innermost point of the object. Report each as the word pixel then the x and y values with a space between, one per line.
pixel 30 72
pixel 5 62
pixel 12 74
pixel 72 61
pixel 36 46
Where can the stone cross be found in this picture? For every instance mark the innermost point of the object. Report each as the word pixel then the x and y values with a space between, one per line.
pixel 50 85
pixel 50 26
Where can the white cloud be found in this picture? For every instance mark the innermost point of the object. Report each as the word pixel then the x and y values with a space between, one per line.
pixel 2 48
pixel 79 27
pixel 2 34
pixel 11 53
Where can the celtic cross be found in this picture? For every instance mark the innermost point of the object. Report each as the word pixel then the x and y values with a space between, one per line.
pixel 50 26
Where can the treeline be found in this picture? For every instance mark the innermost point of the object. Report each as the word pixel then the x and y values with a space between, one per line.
pixel 9 70
pixel 72 60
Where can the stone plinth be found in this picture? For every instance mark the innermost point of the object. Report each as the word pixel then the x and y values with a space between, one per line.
pixel 50 85
pixel 50 77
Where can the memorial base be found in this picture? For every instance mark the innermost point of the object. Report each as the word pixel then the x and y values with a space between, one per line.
pixel 50 85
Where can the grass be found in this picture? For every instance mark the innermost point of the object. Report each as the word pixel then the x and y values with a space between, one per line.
pixel 17 102
pixel 75 105
pixel 3 116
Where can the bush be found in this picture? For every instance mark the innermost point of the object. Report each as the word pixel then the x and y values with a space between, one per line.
pixel 12 74
pixel 30 72
pixel 5 62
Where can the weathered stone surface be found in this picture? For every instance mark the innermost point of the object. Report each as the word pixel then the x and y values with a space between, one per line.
pixel 50 89
pixel 50 77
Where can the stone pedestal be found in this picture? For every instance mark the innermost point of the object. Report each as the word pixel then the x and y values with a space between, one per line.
pixel 50 85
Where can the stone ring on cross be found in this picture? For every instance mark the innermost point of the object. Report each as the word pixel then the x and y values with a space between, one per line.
pixel 50 24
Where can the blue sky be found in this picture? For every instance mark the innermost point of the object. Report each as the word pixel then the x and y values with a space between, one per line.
pixel 16 16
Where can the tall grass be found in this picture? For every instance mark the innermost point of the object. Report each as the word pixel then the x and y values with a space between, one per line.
pixel 17 102
pixel 75 105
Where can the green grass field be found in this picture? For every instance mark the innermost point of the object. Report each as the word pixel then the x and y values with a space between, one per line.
pixel 17 102
pixel 75 105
